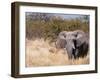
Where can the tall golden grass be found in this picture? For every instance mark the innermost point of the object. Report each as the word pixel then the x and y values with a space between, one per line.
pixel 42 53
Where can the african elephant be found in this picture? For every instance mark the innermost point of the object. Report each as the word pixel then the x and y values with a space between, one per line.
pixel 75 42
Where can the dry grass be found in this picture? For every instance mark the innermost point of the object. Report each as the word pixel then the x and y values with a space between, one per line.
pixel 41 53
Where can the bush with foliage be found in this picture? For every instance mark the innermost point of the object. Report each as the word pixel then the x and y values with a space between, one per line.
pixel 42 25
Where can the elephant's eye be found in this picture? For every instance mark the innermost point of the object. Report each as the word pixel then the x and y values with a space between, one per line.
pixel 75 35
pixel 64 35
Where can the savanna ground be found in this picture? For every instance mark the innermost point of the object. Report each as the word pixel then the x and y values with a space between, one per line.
pixel 41 33
pixel 42 53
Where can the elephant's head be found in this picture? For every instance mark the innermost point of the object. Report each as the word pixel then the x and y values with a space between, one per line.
pixel 65 38
pixel 74 42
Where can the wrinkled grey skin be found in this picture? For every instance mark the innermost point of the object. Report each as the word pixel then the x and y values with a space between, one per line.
pixel 75 42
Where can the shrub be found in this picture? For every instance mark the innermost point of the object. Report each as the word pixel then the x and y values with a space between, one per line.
pixel 49 29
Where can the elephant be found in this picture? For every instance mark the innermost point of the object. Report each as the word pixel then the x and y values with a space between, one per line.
pixel 76 43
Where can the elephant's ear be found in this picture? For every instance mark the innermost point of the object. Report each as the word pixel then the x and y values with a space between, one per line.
pixel 79 41
pixel 60 43
pixel 62 35
pixel 63 43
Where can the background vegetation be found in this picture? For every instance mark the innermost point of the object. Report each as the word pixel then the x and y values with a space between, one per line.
pixel 48 25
